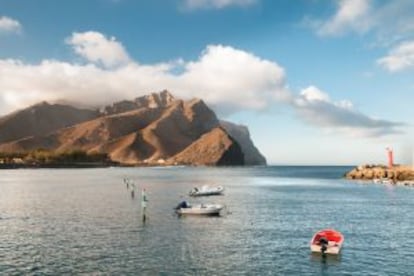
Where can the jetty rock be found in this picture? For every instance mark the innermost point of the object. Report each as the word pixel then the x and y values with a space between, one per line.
pixel 155 129
pixel 369 172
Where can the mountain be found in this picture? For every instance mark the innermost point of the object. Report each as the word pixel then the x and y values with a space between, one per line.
pixel 40 119
pixel 215 147
pixel 153 129
pixel 241 134
pixel 154 100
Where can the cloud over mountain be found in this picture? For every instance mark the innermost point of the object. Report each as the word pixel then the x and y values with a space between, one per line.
pixel 226 78
pixel 229 79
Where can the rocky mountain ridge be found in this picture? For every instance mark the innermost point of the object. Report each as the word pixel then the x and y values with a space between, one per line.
pixel 151 130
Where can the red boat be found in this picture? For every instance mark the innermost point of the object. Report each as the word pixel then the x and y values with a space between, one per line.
pixel 327 241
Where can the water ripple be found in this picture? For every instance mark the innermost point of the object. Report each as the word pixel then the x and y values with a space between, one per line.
pixel 56 222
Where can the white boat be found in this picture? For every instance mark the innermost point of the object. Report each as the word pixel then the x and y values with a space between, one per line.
pixel 327 241
pixel 385 181
pixel 405 183
pixel 184 208
pixel 377 180
pixel 206 191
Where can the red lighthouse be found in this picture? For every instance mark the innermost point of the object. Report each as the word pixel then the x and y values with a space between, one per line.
pixel 390 157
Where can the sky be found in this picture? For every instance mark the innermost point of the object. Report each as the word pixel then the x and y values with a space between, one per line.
pixel 317 82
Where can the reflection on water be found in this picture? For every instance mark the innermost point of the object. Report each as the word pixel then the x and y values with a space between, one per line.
pixel 327 263
pixel 85 221
pixel 326 259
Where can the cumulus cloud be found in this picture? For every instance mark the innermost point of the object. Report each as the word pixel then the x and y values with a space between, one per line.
pixel 216 4
pixel 399 58
pixel 9 25
pixel 228 79
pixel 225 75
pixel 95 47
pixel 315 107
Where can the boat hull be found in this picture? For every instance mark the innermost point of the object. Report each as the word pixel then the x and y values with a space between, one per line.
pixel 206 210
pixel 334 242
pixel 207 191
pixel 330 250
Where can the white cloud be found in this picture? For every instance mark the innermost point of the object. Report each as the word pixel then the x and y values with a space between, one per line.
pixel 312 93
pixel 315 107
pixel 393 21
pixel 9 25
pixel 216 4
pixel 399 58
pixel 389 21
pixel 351 15
pixel 385 23
pixel 95 47
pixel 228 79
pixel 224 75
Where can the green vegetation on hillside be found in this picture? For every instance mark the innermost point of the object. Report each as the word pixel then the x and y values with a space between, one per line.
pixel 46 157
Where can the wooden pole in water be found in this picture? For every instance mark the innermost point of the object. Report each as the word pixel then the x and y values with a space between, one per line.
pixel 144 201
pixel 132 191
pixel 126 183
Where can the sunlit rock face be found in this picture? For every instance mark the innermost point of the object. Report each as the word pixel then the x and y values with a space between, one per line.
pixel 151 130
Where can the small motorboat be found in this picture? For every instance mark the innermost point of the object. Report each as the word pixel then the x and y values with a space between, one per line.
pixel 385 181
pixel 377 180
pixel 206 191
pixel 185 208
pixel 327 241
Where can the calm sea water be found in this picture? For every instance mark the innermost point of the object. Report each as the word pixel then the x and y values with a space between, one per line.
pixel 84 221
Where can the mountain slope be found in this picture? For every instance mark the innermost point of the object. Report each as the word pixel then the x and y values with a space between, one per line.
pixel 149 130
pixel 40 119
pixel 213 148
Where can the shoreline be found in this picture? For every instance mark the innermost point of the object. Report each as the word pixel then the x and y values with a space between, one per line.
pixel 87 165
pixel 11 166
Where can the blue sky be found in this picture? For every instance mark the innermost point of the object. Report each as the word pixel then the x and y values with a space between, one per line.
pixel 316 82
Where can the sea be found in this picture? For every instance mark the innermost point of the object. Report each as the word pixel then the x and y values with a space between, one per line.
pixel 86 222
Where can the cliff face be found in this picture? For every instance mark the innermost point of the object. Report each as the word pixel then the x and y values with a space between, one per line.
pixel 215 147
pixel 154 129
pixel 241 134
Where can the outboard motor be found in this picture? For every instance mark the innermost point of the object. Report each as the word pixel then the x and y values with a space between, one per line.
pixel 193 191
pixel 182 204
pixel 324 244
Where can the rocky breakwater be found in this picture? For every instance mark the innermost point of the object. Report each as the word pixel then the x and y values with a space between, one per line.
pixel 396 174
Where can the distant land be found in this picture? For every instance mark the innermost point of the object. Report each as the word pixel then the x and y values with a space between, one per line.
pixel 156 129
pixel 395 173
